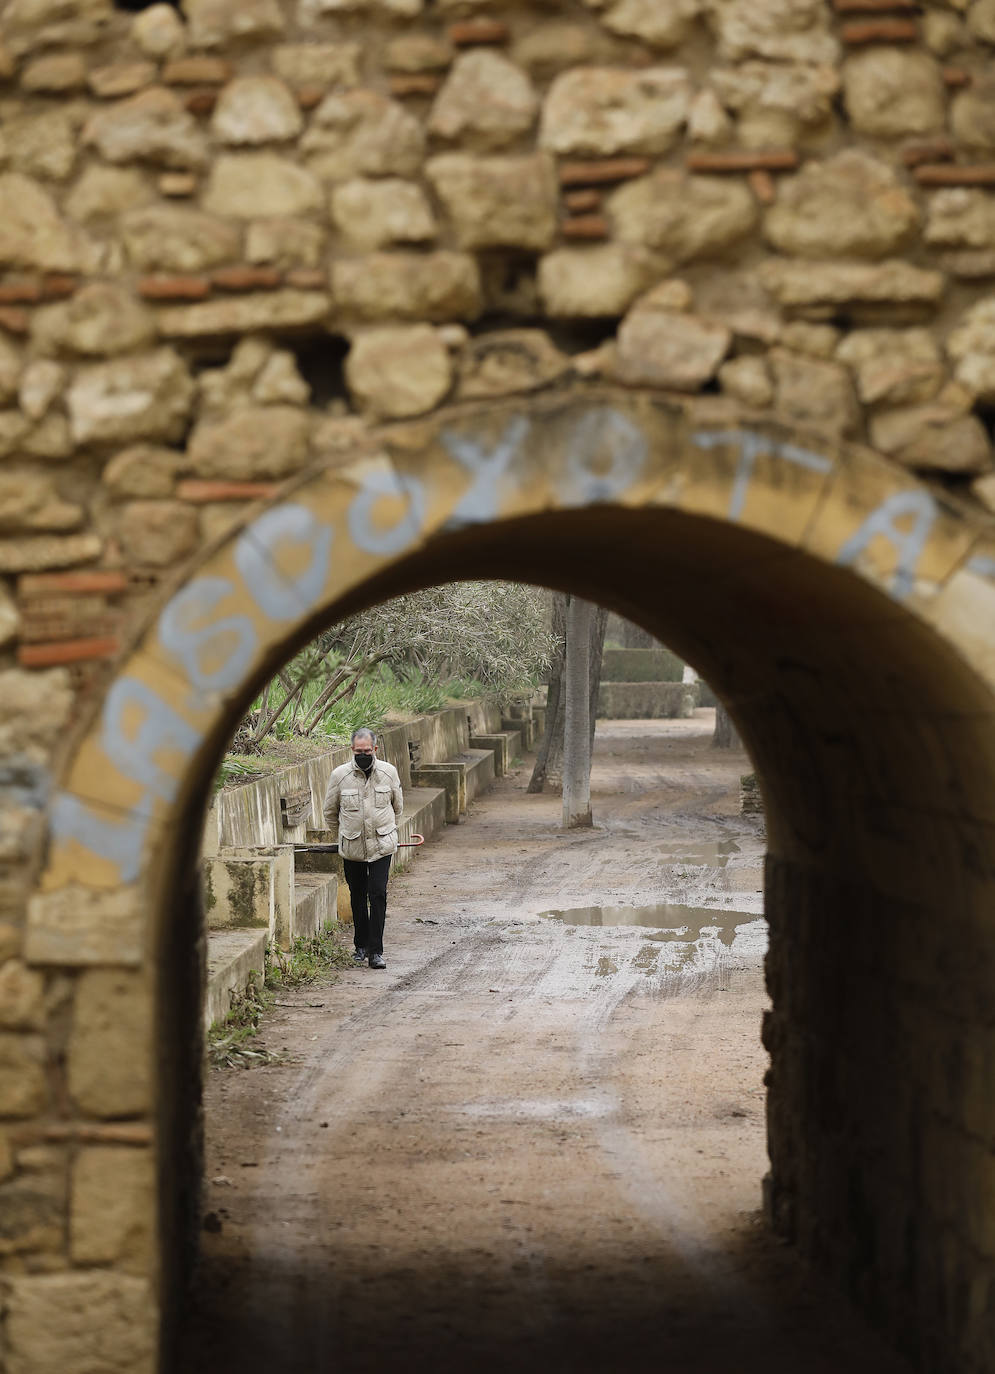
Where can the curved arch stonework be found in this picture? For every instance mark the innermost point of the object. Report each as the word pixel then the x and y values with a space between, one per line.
pixel 689 306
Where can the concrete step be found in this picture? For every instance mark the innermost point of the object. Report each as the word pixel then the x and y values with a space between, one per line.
pixel 315 903
pixel 232 955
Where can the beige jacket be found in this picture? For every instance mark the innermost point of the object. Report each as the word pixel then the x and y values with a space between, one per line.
pixel 366 810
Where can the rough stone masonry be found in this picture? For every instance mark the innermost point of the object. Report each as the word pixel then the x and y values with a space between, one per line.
pixel 236 237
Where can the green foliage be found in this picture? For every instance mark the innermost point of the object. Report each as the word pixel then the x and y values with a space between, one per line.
pixel 641 665
pixel 228 1041
pixel 311 957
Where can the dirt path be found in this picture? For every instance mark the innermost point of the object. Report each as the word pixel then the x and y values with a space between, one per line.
pixel 529 1145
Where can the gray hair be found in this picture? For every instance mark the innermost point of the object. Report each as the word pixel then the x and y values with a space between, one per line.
pixel 364 732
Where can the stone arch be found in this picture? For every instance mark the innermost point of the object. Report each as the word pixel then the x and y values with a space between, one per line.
pixel 845 612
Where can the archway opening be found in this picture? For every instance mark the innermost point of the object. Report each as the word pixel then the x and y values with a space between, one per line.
pixel 871 739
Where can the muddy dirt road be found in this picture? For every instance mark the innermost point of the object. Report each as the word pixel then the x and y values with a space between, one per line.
pixel 530 1144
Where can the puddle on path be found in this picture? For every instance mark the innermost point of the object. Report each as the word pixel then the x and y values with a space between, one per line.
pixel 714 854
pixel 666 920
pixel 683 940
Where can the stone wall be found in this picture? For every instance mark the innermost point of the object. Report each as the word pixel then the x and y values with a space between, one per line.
pixel 237 243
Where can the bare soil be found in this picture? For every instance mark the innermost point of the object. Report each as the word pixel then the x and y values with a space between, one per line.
pixel 528 1145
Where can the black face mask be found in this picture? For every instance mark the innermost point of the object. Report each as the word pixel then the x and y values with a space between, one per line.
pixel 364 761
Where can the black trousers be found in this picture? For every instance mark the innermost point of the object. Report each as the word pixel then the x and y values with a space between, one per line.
pixel 368 893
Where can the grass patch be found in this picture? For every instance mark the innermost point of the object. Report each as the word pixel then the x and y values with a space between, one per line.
pixel 229 1041
pixel 310 958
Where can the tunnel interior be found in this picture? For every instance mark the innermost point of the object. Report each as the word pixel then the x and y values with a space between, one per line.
pixel 874 747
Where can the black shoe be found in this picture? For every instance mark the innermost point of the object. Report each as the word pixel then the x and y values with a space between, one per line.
pixel 359 956
pixel 377 961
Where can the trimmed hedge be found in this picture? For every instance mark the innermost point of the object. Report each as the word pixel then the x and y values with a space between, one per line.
pixel 646 700
pixel 641 665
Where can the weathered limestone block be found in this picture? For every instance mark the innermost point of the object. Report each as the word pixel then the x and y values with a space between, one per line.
pixel 250 185
pixel 371 214
pixel 320 65
pixel 933 437
pixel 893 92
pixel 497 202
pixel 399 372
pixel 101 320
pixel 30 502
pixel 55 75
pixel 680 216
pixel 32 24
pixel 13 427
pixel 509 361
pixel 362 133
pixel 256 109
pixel 851 205
pixel 280 383
pixel 43 145
pixel 32 232
pixel 981 20
pixel 33 1211
pixel 157 533
pixel 747 379
pixel 838 283
pixel 598 111
pixel 159 32
pixel 282 309
pixel 784 30
pixel 142 397
pixel 223 388
pixel 11 365
pixel 281 242
pixel 121 78
pixel 113 1202
pixel 432 287
pixel 661 23
pixel 84 1320
pixel 597 281
pixel 559 45
pixel 670 349
pixel 813 394
pixel 104 193
pixel 10 628
pixel 972 346
pixel 22 997
pixel 944 33
pixel 782 96
pixel 23 1090
pixel 216 23
pixel 310 10
pixel 49 438
pixel 486 103
pixel 961 218
pixel 816 340
pixel 177 238
pixel 41 553
pixel 893 366
pixel 152 126
pixel 143 472
pixel 252 443
pixel 6 1157
pixel 111 1043
pixel 418 52
pixel 708 122
pixel 972 114
pixel 37 706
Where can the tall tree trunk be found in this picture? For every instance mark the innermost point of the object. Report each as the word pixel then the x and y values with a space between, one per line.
pixel 725 735
pixel 548 762
pixel 548 767
pixel 577 716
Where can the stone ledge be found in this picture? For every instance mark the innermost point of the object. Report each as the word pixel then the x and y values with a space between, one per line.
pixel 232 955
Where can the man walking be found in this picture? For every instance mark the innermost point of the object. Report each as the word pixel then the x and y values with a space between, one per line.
pixel 364 801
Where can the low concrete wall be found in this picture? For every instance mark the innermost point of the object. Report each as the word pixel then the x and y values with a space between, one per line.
pixel 232 957
pixel 646 700
pixel 315 903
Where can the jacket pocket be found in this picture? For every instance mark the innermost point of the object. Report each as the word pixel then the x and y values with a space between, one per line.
pixel 381 797
pixel 349 800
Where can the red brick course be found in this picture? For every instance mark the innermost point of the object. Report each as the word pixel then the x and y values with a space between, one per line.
pixel 880 31
pixel 245 278
pixel 66 651
pixel 606 170
pixel 174 288
pixel 478 31
pixel 198 491
pixel 585 227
